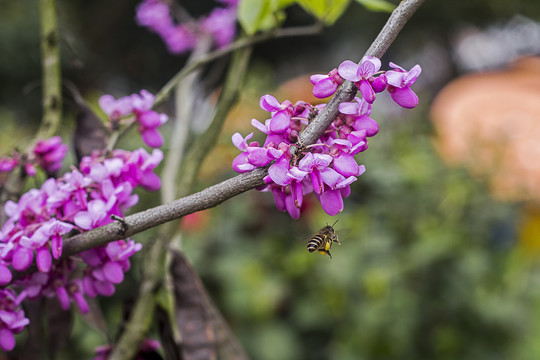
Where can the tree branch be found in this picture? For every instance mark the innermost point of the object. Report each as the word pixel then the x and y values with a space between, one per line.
pixel 161 214
pixel 227 189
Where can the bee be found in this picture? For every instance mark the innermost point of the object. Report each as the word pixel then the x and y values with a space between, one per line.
pixel 322 241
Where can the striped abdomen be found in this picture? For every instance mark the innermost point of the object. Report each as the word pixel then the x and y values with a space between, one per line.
pixel 316 242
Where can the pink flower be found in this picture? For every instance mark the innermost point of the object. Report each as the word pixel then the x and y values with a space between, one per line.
pixel 221 25
pixel 326 85
pixel 361 75
pixel 399 83
pixel 50 153
pixel 12 319
pixel 140 105
pixel 7 164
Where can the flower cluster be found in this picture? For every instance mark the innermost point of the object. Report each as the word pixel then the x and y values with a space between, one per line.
pixel 327 167
pixel 47 154
pixel 181 38
pixel 140 106
pixel 12 319
pixel 80 200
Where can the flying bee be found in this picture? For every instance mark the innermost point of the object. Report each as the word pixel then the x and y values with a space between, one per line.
pixel 322 241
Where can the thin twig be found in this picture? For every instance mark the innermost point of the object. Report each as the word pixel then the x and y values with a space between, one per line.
pixel 227 189
pixel 142 315
pixel 185 98
pixel 206 141
pixel 52 97
pixel 138 324
pixel 239 44
pixel 50 59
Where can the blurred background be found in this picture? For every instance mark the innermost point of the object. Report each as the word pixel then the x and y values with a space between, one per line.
pixel 441 235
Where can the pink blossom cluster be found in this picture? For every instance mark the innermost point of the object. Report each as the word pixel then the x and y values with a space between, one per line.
pixel 12 319
pixel 80 200
pixel 148 347
pixel 181 38
pixel 369 81
pixel 47 154
pixel 140 106
pixel 327 167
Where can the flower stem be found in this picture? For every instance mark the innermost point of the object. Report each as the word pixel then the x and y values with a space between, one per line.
pixel 238 44
pixel 52 77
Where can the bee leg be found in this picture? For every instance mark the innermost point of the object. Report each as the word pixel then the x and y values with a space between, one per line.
pixel 328 252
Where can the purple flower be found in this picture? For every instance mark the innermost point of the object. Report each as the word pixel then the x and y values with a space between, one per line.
pixel 5 275
pixel 37 222
pixel 180 39
pixel 358 107
pixel 399 83
pixel 221 25
pixel 54 230
pixel 12 319
pixel 326 167
pixel 281 113
pixel 95 216
pixel 338 188
pixel 7 164
pixel 326 85
pixel 141 106
pixel 149 121
pixel 315 165
pixel 50 153
pixel 361 75
pixel 155 15
pixel 116 109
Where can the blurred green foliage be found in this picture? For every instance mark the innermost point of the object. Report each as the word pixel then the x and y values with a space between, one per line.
pixel 423 272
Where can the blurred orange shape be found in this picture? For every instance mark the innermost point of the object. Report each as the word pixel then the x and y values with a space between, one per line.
pixel 490 124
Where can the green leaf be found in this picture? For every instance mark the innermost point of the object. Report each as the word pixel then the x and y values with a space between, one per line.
pixel 252 14
pixel 377 5
pixel 325 10
pixel 261 15
pixel 282 4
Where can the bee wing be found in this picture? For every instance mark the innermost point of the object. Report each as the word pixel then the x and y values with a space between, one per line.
pixel 343 233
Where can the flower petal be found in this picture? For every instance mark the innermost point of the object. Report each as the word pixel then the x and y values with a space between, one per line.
pixel 5 275
pixel 22 258
pixel 280 121
pixel 325 88
pixel 346 165
pixel 43 259
pixel 259 156
pixel 152 138
pixel 7 340
pixel 269 103
pixel 278 172
pixel 367 91
pixel 368 124
pixel 331 202
pixel 349 71
pixel 404 97
pixel 112 271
